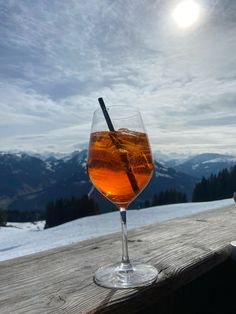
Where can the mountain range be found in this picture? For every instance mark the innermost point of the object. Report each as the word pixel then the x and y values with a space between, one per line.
pixel 202 165
pixel 29 182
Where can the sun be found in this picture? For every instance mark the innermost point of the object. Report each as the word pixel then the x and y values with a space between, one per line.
pixel 186 13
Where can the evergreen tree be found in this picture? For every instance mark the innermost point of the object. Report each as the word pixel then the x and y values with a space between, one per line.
pixel 216 187
pixel 3 218
pixel 66 209
pixel 171 196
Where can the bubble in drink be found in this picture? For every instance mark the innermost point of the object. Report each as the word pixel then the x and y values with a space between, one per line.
pixel 119 164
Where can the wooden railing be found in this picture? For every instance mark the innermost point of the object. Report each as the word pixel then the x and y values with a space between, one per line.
pixel 190 253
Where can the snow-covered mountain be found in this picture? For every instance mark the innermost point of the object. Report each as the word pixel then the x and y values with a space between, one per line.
pixel 171 157
pixel 29 183
pixel 43 155
pixel 203 164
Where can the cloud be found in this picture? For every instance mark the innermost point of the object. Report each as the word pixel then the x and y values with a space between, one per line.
pixel 58 57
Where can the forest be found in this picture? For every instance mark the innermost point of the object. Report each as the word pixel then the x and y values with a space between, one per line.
pixel 216 187
pixel 66 209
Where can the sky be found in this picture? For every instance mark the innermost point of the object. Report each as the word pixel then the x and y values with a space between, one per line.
pixel 57 57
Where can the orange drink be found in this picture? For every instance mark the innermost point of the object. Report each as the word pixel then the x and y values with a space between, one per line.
pixel 119 164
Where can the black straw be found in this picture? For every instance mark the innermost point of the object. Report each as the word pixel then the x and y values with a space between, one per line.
pixel 106 115
pixel 117 143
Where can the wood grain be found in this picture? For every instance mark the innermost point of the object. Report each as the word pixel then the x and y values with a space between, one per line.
pixel 61 280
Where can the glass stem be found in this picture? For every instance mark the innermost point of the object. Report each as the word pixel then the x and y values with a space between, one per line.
pixel 125 262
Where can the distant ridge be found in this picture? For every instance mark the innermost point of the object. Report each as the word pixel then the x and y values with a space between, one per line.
pixel 29 182
pixel 203 164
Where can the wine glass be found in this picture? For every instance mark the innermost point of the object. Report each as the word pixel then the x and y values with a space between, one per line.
pixel 120 166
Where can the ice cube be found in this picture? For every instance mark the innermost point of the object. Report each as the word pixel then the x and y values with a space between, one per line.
pixel 127 131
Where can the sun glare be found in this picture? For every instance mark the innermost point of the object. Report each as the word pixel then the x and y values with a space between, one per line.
pixel 186 13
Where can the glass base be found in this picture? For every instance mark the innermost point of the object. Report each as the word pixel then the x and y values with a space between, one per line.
pixel 122 277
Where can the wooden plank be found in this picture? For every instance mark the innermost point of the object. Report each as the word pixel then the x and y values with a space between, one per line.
pixel 61 280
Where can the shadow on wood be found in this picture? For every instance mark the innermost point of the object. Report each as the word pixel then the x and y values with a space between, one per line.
pixel 212 293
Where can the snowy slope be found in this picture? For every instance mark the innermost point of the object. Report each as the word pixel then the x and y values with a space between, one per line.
pixel 27 238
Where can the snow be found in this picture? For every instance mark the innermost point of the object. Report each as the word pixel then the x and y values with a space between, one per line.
pixel 27 238
pixel 37 226
pixel 49 166
pixel 164 175
pixel 220 160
